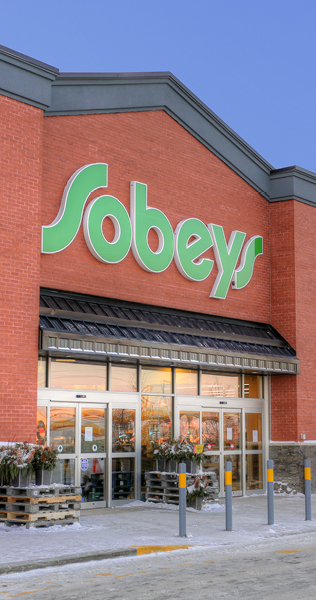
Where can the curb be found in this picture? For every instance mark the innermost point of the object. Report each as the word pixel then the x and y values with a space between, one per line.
pixel 67 559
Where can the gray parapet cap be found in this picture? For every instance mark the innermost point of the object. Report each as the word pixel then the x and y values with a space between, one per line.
pixel 293 183
pixel 41 85
pixel 25 79
pixel 93 93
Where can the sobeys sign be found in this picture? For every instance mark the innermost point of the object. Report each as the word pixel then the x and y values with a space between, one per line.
pixel 187 244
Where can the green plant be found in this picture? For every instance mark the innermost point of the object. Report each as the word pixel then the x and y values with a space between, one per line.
pixel 177 450
pixel 44 458
pixel 15 458
pixel 162 451
pixel 198 488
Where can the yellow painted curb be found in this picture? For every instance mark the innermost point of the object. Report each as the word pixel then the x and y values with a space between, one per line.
pixel 150 549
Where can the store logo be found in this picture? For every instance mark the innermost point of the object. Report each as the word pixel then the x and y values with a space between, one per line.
pixel 187 244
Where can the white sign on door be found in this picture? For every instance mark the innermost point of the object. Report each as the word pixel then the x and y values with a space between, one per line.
pixel 88 434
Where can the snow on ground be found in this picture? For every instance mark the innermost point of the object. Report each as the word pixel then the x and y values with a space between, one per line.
pixel 212 507
pixel 139 524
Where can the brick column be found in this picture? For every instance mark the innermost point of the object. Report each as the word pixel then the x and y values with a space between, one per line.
pixel 20 191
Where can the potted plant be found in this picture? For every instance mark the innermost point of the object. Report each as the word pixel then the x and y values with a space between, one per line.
pixel 162 455
pixel 185 453
pixel 196 492
pixel 170 454
pixel 16 464
pixel 43 463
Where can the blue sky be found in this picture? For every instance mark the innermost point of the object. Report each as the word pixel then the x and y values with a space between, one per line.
pixel 252 63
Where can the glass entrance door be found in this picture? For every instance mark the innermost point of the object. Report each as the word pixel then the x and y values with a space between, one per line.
pixel 228 435
pixel 124 460
pixel 92 457
pixel 79 433
pixel 221 436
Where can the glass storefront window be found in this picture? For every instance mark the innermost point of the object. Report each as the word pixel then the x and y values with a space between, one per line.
pixel 253 386
pixel 92 430
pixel 219 385
pixel 254 472
pixel 123 379
pixel 41 372
pixel 41 431
pixel 210 430
pixel 156 381
pixel 190 426
pixel 211 463
pixel 64 471
pixel 62 429
pixel 123 477
pixel 187 382
pixel 156 426
pixel 92 477
pixel 123 430
pixel 71 374
pixel 235 459
pixel 231 431
pixel 253 431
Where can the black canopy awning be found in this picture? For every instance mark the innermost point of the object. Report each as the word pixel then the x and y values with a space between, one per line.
pixel 92 326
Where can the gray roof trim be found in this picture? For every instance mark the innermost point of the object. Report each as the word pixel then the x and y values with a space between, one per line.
pixel 293 183
pixel 25 79
pixel 39 84
pixel 123 329
pixel 86 93
pixel 69 344
pixel 63 314
pixel 63 304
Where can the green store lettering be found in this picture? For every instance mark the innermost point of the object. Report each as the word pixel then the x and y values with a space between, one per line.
pixel 186 245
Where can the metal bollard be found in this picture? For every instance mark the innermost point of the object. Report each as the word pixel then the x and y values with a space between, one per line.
pixel 229 496
pixel 270 479
pixel 182 500
pixel 308 491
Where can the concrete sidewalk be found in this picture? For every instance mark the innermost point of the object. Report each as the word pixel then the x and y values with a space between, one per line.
pixel 143 527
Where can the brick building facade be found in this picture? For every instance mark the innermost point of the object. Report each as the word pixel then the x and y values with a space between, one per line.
pixel 149 128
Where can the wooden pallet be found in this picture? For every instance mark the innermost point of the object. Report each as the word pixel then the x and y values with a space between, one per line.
pixel 41 492
pixel 41 507
pixel 166 487
pixel 40 523
pixel 42 499
pixel 155 494
pixel 153 478
pixel 44 516
pixel 164 499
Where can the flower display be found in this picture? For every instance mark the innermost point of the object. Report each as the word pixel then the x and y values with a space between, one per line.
pixel 25 458
pixel 198 488
pixel 15 458
pixel 44 458
pixel 178 450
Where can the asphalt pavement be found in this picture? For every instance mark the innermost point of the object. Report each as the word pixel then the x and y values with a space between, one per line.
pixel 144 528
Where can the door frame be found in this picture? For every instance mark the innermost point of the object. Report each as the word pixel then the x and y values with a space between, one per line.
pixel 115 404
pixel 48 397
pixel 213 404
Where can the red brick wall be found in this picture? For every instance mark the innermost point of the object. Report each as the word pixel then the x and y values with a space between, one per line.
pixel 293 293
pixel 184 180
pixel 305 261
pixel 283 316
pixel 20 193
pixel 283 276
